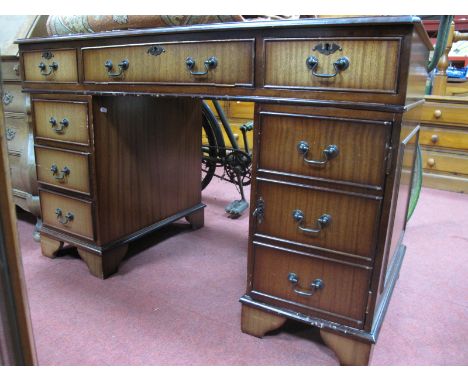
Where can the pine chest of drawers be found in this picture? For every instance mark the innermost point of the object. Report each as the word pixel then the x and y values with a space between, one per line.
pixel 338 101
pixel 444 142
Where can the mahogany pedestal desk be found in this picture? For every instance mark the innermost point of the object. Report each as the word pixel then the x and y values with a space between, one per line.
pixel 117 128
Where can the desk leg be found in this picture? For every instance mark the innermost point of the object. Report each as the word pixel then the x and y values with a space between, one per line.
pixel 196 219
pixel 50 247
pixel 105 264
pixel 350 352
pixel 257 323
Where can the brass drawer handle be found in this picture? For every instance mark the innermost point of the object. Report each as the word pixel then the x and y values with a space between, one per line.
pixel 123 65
pixel 10 133
pixel 63 219
pixel 315 285
pixel 7 98
pixel 339 65
pixel 65 172
pixel 210 63
pixel 43 67
pixel 63 123
pixel 322 222
pixel 330 152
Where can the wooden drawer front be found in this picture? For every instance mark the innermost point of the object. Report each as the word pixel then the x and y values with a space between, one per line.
pixel 372 64
pixel 16 163
pixel 16 132
pixel 81 224
pixel 343 289
pixel 445 113
pixel 64 62
pixel 12 98
pixel 445 161
pixel 361 147
pixel 10 71
pixel 353 218
pixel 63 168
pixel 234 63
pixel 442 137
pixel 75 113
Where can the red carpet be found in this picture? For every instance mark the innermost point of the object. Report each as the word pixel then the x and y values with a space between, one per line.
pixel 176 303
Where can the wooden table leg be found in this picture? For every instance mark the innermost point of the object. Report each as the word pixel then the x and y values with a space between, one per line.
pixel 349 351
pixel 257 323
pixel 50 247
pixel 105 264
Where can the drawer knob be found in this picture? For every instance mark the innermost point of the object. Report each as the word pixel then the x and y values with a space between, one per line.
pixel 431 162
pixel 314 286
pixel 63 219
pixel 330 152
pixel 339 65
pixel 437 113
pixel 210 63
pixel 435 138
pixel 64 172
pixel 52 68
pixel 322 222
pixel 123 66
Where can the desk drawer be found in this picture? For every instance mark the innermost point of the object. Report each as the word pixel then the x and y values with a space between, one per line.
pixel 65 121
pixel 445 113
pixel 311 283
pixel 51 66
pixel 166 62
pixel 67 214
pixel 12 98
pixel 372 64
pixel 324 147
pixel 349 222
pixel 444 137
pixel 63 168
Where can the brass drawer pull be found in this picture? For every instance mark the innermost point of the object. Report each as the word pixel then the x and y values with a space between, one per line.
pixel 329 153
pixel 63 123
pixel 315 285
pixel 123 65
pixel 10 133
pixel 339 65
pixel 322 222
pixel 210 63
pixel 43 67
pixel 63 219
pixel 65 172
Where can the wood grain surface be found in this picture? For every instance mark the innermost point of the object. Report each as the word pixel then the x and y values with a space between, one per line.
pixel 78 178
pixel 75 112
pixel 362 147
pixel 354 219
pixel 147 161
pixel 371 68
pixel 345 287
pixel 82 223
pixel 235 62
pixel 67 70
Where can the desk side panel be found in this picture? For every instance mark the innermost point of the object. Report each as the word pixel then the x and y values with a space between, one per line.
pixel 147 161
